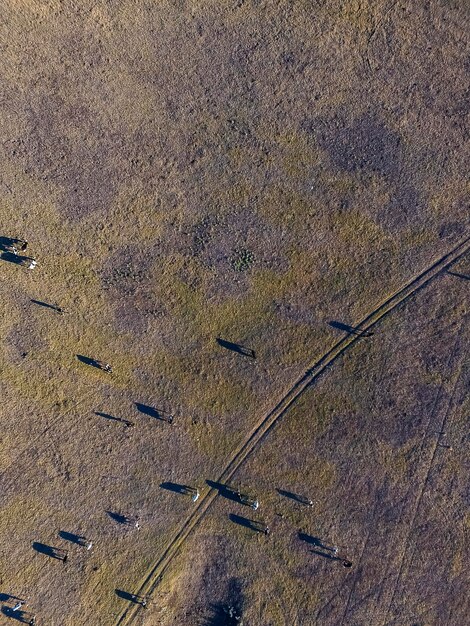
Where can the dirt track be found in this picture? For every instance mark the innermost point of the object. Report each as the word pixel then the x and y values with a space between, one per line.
pixel 267 422
pixel 264 172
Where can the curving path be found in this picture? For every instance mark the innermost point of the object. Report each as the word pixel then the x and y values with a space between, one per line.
pixel 152 577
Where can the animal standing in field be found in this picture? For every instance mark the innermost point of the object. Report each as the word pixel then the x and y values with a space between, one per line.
pixel 105 367
pixel 236 347
pixel 247 500
pixel 83 541
pixel 14 245
pixel 46 305
pixel 142 600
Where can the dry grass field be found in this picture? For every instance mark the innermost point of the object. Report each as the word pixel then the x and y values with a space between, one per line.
pixel 363 444
pixel 267 173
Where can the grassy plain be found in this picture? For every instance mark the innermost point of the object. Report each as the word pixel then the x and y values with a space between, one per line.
pixel 251 170
pixel 363 444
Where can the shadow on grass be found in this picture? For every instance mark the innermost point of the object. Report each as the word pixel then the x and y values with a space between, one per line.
pixel 7 243
pixel 224 490
pixel 15 258
pixel 223 615
pixel 458 275
pixel 352 330
pixel 251 524
pixel 7 597
pixel 50 551
pixel 332 557
pixel 47 306
pixel 229 612
pixel 72 537
pixel 177 488
pixel 326 555
pixel 294 496
pixel 118 517
pixel 125 595
pixel 89 361
pixel 114 419
pixel 152 412
pixel 20 616
pixel 314 541
pixel 236 347
pixel 327 552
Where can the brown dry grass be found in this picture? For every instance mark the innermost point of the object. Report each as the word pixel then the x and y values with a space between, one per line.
pixel 142 144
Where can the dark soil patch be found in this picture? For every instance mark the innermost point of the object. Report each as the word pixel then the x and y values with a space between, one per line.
pixel 365 145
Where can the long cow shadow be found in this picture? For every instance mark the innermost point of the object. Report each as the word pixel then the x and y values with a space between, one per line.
pixel 7 244
pixel 151 411
pixel 294 496
pixel 118 517
pixel 352 330
pixel 251 524
pixel 224 490
pixel 49 551
pixel 459 275
pixel 108 416
pixel 20 616
pixel 315 541
pixel 16 259
pixel 47 305
pixel 89 361
pixel 236 347
pixel 113 418
pixel 7 597
pixel 326 555
pixel 72 537
pixel 327 552
pixel 176 487
pixel 332 557
pixel 125 595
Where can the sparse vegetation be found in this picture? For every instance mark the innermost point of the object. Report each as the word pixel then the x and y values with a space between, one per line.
pixel 242 260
